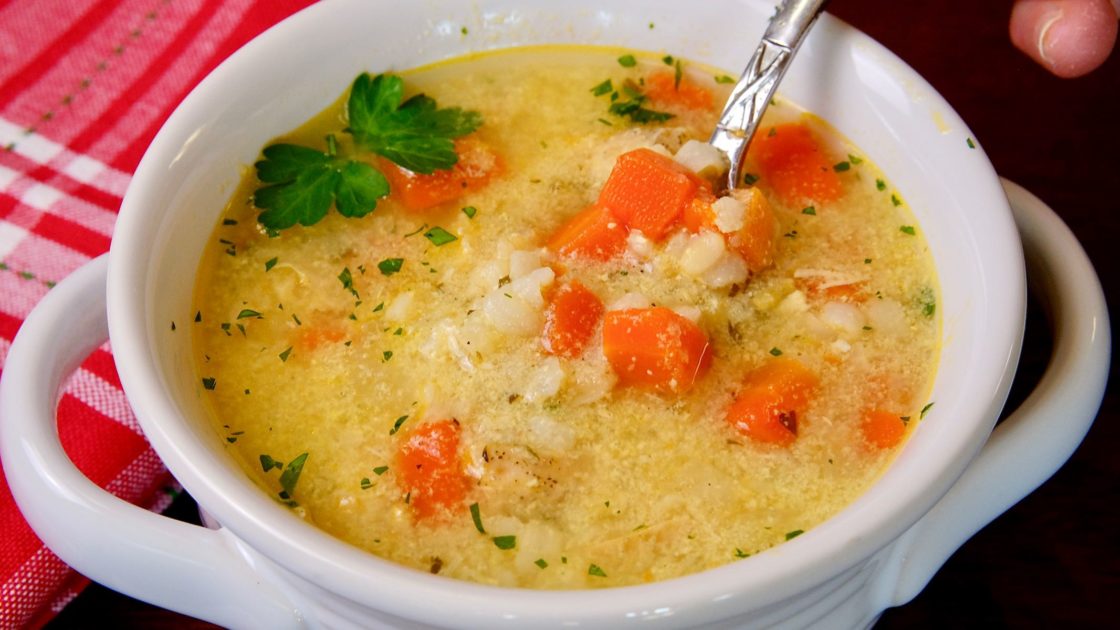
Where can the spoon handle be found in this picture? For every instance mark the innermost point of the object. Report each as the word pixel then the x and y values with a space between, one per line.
pixel 759 81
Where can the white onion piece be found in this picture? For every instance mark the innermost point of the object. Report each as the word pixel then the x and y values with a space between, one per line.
pixel 704 249
pixel 844 316
pixel 544 380
pixel 509 313
pixel 702 158
pixel 730 213
pixel 887 316
pixel 400 308
pixel 793 303
pixel 521 263
pixel 728 270
pixel 630 300
pixel 549 435
pixel 691 313
pixel 641 246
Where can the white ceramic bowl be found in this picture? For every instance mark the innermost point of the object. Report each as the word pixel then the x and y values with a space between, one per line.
pixel 265 567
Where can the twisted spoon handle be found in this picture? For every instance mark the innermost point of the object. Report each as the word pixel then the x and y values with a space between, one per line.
pixel 759 81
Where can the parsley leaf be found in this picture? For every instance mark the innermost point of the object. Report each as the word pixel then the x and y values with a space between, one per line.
pixel 303 182
pixel 290 475
pixel 414 134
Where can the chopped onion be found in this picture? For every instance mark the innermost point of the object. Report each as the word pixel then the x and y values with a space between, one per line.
pixel 730 213
pixel 847 317
pixel 545 380
pixel 704 250
pixel 702 158
pixel 887 316
pixel 400 308
pixel 523 262
pixel 630 300
pixel 728 270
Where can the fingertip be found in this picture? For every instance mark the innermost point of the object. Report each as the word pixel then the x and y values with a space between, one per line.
pixel 1068 37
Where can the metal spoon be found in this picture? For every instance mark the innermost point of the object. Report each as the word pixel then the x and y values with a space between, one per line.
pixel 759 81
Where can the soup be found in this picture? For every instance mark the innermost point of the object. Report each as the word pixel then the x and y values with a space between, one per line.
pixel 562 357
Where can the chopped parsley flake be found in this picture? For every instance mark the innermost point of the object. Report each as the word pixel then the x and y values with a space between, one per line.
pixel 634 106
pixel 390 266
pixel 723 78
pixel 347 281
pixel 505 542
pixel 366 483
pixel 290 476
pixel 854 159
pixel 209 382
pixel 197 316
pixel 285 354
pixel 593 569
pixel 971 144
pixel 775 352
pixel 880 184
pixel 388 354
pixel 439 236
pixel 929 302
pixel 627 61
pixel 907 229
pixel 268 463
pixel 606 87
pixel 477 518
pixel 248 313
pixel 270 263
pixel 895 200
pixel 397 425
pixel 840 167
pixel 794 534
pixel 809 210
pixel 749 179
pixel 380 470
pixel 540 562
pixel 470 211
pixel 925 410
pixel 739 553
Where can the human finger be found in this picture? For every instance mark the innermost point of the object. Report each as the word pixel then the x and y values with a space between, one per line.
pixel 1068 37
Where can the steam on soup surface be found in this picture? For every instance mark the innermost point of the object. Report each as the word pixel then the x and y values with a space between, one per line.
pixel 572 360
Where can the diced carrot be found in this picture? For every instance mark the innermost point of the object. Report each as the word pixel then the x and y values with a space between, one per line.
pixel 767 405
pixel 883 429
pixel 572 314
pixel 648 191
pixel 794 165
pixel 417 191
pixel 429 469
pixel 756 241
pixel 663 89
pixel 699 215
pixel 594 233
pixel 655 348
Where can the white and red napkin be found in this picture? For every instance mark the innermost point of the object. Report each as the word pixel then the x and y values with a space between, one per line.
pixel 84 86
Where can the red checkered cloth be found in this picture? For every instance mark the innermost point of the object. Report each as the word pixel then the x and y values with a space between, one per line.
pixel 84 86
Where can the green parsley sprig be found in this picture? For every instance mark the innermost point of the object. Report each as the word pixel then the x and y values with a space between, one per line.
pixel 301 183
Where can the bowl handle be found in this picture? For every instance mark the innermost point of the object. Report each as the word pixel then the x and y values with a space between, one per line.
pixel 182 567
pixel 1033 442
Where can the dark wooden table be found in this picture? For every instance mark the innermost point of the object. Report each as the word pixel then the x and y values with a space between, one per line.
pixel 1053 560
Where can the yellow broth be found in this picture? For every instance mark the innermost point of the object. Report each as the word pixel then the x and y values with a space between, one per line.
pixel 601 485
